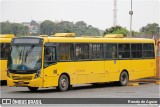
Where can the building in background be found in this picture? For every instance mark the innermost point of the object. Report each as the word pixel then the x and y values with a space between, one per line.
pixel 33 26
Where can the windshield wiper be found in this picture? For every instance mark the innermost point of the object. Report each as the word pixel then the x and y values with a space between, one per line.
pixel 28 52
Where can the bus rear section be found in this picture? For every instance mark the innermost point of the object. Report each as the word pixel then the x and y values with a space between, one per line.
pixel 5 40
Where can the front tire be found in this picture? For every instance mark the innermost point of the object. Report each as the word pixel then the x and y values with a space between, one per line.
pixel 123 81
pixel 63 83
pixel 33 89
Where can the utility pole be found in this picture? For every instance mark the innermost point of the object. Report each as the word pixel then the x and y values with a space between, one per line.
pixel 131 13
pixel 115 13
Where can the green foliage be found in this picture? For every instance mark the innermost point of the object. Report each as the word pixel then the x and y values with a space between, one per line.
pixel 13 28
pixel 153 29
pixel 80 28
pixel 116 30
pixel 92 32
pixel 47 27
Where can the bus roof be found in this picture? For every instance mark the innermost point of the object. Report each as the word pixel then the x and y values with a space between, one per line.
pixel 6 38
pixel 94 40
pixel 99 40
pixel 6 35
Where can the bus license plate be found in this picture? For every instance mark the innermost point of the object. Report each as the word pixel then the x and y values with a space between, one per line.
pixel 20 82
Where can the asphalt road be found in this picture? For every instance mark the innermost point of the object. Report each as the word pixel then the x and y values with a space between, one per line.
pixel 147 90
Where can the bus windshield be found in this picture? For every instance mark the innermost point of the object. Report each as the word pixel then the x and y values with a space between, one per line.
pixel 25 58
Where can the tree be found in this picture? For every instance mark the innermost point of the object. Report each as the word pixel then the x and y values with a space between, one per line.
pixel 81 24
pixel 92 32
pixel 14 28
pixel 64 26
pixel 116 30
pixel 152 29
pixel 47 27
pixel 33 22
pixel 25 30
pixel 5 27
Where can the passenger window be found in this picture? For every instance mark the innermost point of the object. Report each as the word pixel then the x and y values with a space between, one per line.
pixel 49 55
pixel 82 51
pixel 124 51
pixel 111 51
pixel 97 51
pixel 148 50
pixel 4 50
pixel 136 50
pixel 66 51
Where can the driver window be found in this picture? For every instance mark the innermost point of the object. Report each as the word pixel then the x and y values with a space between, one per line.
pixel 49 56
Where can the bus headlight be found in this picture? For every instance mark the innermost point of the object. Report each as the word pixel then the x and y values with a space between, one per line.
pixel 8 75
pixel 37 74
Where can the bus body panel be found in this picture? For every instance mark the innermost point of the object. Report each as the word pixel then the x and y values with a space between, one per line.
pixel 90 71
pixel 52 73
pixel 142 68
pixel 28 80
pixel 112 70
pixel 3 69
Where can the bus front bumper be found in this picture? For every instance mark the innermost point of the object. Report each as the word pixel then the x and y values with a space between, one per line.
pixel 38 82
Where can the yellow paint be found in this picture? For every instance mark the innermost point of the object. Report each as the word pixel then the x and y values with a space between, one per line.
pixel 114 36
pixel 64 35
pixel 133 84
pixel 4 38
pixel 91 71
pixel 3 69
pixel 157 82
pixel 6 35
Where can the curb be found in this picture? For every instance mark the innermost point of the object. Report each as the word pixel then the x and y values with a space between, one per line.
pixel 133 84
pixel 153 81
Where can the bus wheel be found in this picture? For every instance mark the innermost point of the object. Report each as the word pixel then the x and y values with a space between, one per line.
pixel 63 84
pixel 123 79
pixel 33 89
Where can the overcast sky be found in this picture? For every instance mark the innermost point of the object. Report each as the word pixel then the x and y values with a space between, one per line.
pixel 98 13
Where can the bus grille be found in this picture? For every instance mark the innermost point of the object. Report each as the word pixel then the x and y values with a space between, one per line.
pixel 21 77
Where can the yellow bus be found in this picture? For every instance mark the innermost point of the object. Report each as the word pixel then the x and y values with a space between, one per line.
pixel 63 60
pixel 5 40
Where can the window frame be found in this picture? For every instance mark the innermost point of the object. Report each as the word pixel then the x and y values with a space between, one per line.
pixel 124 51
pixel 101 51
pixel 110 51
pixel 149 50
pixel 58 52
pixel 51 62
pixel 6 55
pixel 136 50
pixel 76 59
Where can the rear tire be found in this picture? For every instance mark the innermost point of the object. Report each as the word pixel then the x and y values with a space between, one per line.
pixel 123 81
pixel 63 83
pixel 33 89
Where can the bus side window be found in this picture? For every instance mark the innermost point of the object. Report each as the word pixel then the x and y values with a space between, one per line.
pixel 7 51
pixel 124 51
pixel 82 51
pixel 136 50
pixel 66 51
pixel 148 50
pixel 111 51
pixel 2 51
pixel 49 55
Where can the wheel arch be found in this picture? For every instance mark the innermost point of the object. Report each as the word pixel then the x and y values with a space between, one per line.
pixel 124 70
pixel 64 73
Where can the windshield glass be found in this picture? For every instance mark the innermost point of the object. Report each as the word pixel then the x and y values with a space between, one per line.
pixel 25 57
